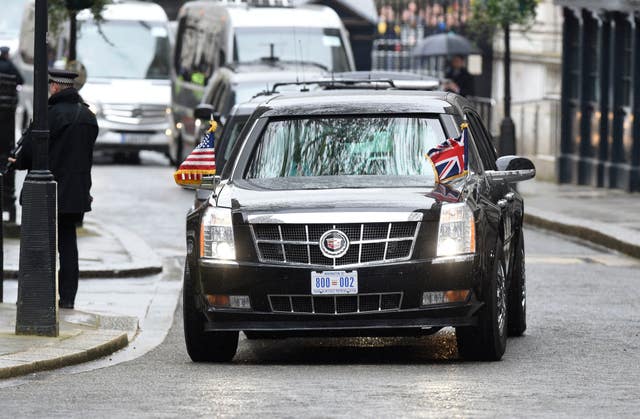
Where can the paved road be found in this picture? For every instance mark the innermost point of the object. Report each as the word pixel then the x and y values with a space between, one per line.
pixel 579 357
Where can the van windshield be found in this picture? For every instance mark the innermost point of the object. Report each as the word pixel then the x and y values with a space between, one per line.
pixel 125 49
pixel 320 46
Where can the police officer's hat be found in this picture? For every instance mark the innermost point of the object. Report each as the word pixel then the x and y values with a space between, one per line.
pixel 63 77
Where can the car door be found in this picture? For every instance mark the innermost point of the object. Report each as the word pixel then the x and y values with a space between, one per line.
pixel 501 193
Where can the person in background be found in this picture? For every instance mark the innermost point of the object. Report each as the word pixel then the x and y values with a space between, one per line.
pixel 457 78
pixel 7 67
pixel 73 130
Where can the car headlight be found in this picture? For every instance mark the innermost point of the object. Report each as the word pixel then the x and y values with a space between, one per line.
pixel 457 232
pixel 216 234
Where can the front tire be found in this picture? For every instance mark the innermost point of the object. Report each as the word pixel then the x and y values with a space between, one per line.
pixel 203 346
pixel 518 292
pixel 488 340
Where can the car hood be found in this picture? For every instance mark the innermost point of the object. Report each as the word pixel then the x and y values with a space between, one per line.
pixel 247 200
pixel 122 91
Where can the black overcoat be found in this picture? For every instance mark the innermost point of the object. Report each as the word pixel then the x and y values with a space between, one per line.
pixel 7 67
pixel 73 130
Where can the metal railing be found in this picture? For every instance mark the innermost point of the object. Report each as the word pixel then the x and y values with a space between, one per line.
pixel 538 126
pixel 397 55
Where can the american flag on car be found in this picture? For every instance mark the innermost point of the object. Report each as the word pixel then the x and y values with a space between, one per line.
pixel 201 161
pixel 450 157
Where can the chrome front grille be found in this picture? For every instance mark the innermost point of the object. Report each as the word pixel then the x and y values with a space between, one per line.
pixel 135 114
pixel 370 243
pixel 336 304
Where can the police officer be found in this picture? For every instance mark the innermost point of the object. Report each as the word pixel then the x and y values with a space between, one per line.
pixel 7 67
pixel 72 134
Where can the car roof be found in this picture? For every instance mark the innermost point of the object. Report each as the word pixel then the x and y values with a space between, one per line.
pixel 242 14
pixel 363 101
pixel 271 17
pixel 130 10
pixel 278 72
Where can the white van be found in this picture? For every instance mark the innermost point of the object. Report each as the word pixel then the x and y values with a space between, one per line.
pixel 10 19
pixel 212 34
pixel 127 59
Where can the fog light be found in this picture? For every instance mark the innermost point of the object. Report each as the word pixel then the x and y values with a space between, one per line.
pixel 239 301
pixel 442 297
pixel 168 132
pixel 233 301
pixel 429 298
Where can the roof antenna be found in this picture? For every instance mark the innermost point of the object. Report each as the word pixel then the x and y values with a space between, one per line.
pixel 304 83
pixel 295 53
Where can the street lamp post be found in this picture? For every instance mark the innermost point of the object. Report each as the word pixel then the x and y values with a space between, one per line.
pixel 37 311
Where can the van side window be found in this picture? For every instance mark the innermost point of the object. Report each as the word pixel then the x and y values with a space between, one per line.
pixel 195 53
pixel 185 49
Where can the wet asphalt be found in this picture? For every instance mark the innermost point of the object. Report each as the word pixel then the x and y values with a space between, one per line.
pixel 580 355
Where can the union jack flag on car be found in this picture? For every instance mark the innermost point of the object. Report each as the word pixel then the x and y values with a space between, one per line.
pixel 201 161
pixel 450 157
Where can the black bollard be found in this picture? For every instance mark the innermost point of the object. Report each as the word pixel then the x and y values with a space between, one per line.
pixel 37 311
pixel 1 247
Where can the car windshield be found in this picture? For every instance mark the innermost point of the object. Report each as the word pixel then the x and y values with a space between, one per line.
pixel 323 47
pixel 365 148
pixel 11 17
pixel 124 49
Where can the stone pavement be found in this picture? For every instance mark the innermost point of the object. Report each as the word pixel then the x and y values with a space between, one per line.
pixel 105 252
pixel 607 217
pixel 83 337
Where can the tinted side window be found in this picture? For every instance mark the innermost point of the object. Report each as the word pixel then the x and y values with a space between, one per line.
pixel 483 142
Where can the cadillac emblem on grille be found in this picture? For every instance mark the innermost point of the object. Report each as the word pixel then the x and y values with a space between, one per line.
pixel 334 244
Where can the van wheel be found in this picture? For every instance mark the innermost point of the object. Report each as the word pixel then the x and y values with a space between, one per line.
pixel 177 158
pixel 488 340
pixel 127 157
pixel 203 346
pixel 518 292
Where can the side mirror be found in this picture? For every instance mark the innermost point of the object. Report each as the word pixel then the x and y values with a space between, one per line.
pixel 512 169
pixel 514 163
pixel 206 112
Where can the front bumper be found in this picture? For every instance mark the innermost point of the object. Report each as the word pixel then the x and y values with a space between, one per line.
pixel 115 137
pixel 411 279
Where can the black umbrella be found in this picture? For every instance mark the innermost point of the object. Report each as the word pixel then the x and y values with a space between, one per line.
pixel 444 44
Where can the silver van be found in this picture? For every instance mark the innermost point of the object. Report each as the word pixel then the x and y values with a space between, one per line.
pixel 212 34
pixel 127 59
